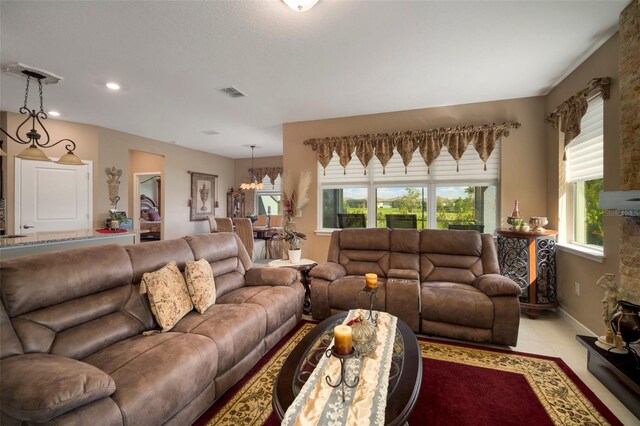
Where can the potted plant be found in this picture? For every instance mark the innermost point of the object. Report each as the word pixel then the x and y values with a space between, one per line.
pixel 293 238
pixel 115 219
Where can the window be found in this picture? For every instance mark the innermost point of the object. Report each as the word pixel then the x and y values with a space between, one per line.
pixel 441 198
pixel 268 198
pixel 584 172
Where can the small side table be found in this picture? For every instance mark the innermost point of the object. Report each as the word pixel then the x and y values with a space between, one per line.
pixel 529 258
pixel 304 266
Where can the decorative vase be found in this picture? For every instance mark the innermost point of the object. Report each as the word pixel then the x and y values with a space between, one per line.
pixel 294 256
pixel 626 321
pixel 114 225
pixel 364 337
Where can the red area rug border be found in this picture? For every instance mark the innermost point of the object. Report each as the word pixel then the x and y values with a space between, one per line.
pixel 588 393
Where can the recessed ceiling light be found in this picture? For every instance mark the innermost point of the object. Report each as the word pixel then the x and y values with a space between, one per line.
pixel 113 86
pixel 300 5
pixel 54 113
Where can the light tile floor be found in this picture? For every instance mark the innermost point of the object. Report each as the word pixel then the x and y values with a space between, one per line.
pixel 554 334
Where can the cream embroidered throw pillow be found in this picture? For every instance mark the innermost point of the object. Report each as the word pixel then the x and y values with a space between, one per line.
pixel 168 295
pixel 201 285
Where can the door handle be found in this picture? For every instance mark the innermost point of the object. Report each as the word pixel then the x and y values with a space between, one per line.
pixel 28 226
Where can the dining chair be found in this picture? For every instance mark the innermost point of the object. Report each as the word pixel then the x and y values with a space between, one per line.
pixel 224 224
pixel 255 247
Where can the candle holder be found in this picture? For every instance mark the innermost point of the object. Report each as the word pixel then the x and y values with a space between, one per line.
pixel 343 379
pixel 372 293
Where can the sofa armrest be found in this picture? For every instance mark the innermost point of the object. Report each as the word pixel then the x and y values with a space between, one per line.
pixel 329 271
pixel 271 276
pixel 40 387
pixel 497 285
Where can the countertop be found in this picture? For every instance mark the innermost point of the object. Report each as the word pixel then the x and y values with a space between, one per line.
pixel 43 238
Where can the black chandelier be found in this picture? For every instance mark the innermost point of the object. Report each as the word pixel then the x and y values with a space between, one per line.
pixel 34 151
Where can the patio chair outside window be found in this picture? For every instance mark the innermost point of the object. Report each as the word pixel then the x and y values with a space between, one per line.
pixel 479 228
pixel 347 220
pixel 402 221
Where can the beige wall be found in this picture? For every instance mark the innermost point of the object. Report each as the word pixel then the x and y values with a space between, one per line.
pixel 572 268
pixel 523 152
pixel 108 148
pixel 242 166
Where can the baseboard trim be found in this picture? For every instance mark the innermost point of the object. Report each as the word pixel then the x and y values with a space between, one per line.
pixel 567 315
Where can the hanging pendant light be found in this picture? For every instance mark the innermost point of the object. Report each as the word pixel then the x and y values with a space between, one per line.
pixel 254 184
pixel 34 151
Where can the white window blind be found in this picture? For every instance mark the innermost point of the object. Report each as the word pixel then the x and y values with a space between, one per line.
pixel 584 153
pixel 471 168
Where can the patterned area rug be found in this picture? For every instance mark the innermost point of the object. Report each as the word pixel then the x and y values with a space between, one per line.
pixel 461 384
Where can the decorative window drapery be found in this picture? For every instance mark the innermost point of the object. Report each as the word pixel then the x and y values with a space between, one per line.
pixel 428 142
pixel 569 113
pixel 271 172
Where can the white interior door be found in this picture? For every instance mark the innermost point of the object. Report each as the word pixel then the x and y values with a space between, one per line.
pixel 52 197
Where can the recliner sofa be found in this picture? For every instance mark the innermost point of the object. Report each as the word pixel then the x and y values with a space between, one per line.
pixel 72 347
pixel 440 282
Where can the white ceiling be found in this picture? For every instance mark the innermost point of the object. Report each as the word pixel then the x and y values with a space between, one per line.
pixel 342 58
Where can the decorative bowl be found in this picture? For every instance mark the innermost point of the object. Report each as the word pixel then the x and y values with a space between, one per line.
pixel 537 222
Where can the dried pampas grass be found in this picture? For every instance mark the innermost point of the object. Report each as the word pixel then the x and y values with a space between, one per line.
pixel 303 192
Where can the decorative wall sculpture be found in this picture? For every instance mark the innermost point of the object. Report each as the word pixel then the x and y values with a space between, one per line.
pixel 113 182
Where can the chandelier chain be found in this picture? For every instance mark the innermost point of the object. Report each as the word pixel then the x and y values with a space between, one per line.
pixel 40 89
pixel 26 92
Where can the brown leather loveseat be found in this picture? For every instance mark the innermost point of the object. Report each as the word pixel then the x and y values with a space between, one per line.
pixel 73 350
pixel 440 282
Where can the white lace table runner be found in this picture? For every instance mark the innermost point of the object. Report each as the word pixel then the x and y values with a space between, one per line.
pixel 320 404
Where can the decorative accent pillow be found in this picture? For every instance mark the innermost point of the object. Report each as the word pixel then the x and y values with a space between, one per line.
pixel 144 214
pixel 200 283
pixel 154 216
pixel 168 295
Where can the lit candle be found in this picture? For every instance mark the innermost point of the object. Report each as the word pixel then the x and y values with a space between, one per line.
pixel 343 344
pixel 372 280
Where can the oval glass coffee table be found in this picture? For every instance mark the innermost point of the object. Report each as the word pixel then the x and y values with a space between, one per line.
pixel 404 378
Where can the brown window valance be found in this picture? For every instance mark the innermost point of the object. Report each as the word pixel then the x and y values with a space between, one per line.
pixel 271 172
pixel 428 142
pixel 568 114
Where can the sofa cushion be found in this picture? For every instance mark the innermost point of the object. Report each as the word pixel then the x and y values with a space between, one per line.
pixel 364 250
pixel 277 302
pixel 39 387
pixel 456 303
pixel 235 329
pixel 200 283
pixel 343 294
pixel 29 283
pixel 79 327
pixel 149 257
pixel 168 295
pixel 156 376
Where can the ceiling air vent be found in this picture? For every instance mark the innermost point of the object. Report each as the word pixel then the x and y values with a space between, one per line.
pixel 233 92
pixel 23 71
pixel 211 132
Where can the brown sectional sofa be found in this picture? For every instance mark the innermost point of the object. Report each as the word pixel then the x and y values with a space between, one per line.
pixel 440 282
pixel 72 347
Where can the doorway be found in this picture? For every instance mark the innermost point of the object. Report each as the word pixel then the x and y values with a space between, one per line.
pixel 147 194
pixel 148 202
